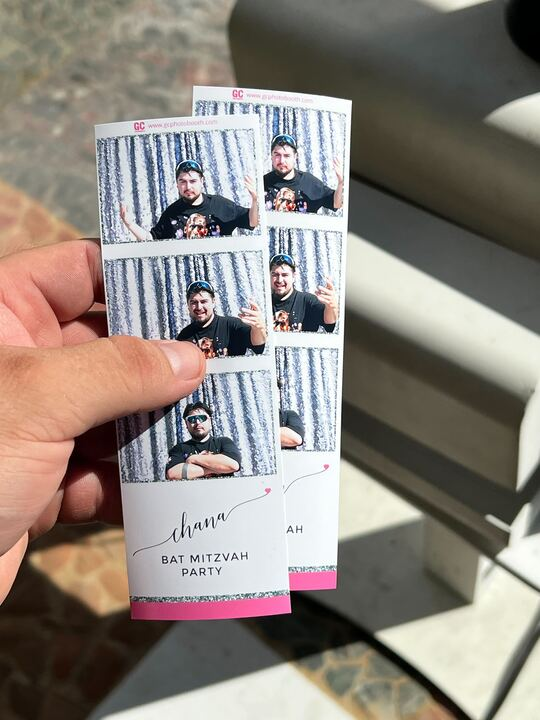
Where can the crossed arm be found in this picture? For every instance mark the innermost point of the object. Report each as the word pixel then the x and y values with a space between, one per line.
pixel 289 438
pixel 204 464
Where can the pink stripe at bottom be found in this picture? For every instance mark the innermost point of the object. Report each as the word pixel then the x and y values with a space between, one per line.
pixel 326 580
pixel 216 610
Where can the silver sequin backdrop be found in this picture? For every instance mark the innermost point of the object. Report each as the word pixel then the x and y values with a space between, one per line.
pixel 320 134
pixel 309 379
pixel 139 171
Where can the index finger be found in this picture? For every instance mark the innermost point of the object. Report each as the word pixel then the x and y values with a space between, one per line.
pixel 66 278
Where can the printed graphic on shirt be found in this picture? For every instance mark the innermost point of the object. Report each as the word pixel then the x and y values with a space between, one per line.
pixel 285 200
pixel 281 322
pixel 299 312
pixel 224 336
pixel 303 193
pixel 207 346
pixel 215 216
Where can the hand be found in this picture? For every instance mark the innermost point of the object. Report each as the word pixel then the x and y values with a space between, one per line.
pixel 338 169
pixel 327 294
pixel 252 316
pixel 251 187
pixel 125 215
pixel 61 383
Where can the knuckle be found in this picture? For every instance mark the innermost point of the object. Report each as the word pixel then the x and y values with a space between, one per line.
pixel 21 394
pixel 19 369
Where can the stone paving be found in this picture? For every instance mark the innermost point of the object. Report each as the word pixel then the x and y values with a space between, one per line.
pixel 65 635
pixel 349 665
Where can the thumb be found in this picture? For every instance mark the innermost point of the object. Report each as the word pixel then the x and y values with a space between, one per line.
pixel 59 393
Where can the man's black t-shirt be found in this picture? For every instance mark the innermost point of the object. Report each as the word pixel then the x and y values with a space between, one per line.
pixel 225 336
pixel 306 193
pixel 300 312
pixel 292 420
pixel 215 445
pixel 214 217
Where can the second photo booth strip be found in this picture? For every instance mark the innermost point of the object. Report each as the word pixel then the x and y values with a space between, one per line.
pixel 306 147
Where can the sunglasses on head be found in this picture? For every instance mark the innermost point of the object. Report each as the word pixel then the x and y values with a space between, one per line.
pixel 283 139
pixel 187 166
pixel 283 259
pixel 198 285
pixel 192 419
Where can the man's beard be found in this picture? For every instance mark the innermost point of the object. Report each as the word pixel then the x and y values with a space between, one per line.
pixel 190 201
pixel 198 436
pixel 202 322
pixel 282 173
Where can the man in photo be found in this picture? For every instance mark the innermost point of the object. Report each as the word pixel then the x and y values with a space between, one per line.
pixel 288 189
pixel 221 335
pixel 196 214
pixel 291 427
pixel 297 311
pixel 204 455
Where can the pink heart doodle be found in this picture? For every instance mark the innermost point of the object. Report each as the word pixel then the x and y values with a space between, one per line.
pixel 326 467
pixel 267 490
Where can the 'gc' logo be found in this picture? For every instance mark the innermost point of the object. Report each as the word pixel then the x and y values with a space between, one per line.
pixel 138 125
pixel 238 94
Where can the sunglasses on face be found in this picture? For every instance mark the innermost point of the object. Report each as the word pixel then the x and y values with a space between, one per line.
pixel 198 285
pixel 280 139
pixel 192 419
pixel 187 166
pixel 282 259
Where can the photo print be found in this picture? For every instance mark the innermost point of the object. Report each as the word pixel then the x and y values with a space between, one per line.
pixel 305 143
pixel 215 300
pixel 308 384
pixel 202 490
pixel 220 431
pixel 303 149
pixel 178 185
pixel 305 278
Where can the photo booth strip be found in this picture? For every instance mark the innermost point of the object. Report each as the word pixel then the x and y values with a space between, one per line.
pixel 213 546
pixel 307 219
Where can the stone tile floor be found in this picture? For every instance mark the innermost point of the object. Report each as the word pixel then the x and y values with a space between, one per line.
pixel 65 635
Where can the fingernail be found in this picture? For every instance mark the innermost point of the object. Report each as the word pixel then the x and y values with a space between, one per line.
pixel 185 358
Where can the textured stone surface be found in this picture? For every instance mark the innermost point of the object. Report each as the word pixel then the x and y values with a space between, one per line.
pixel 135 59
pixel 25 223
pixel 341 659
